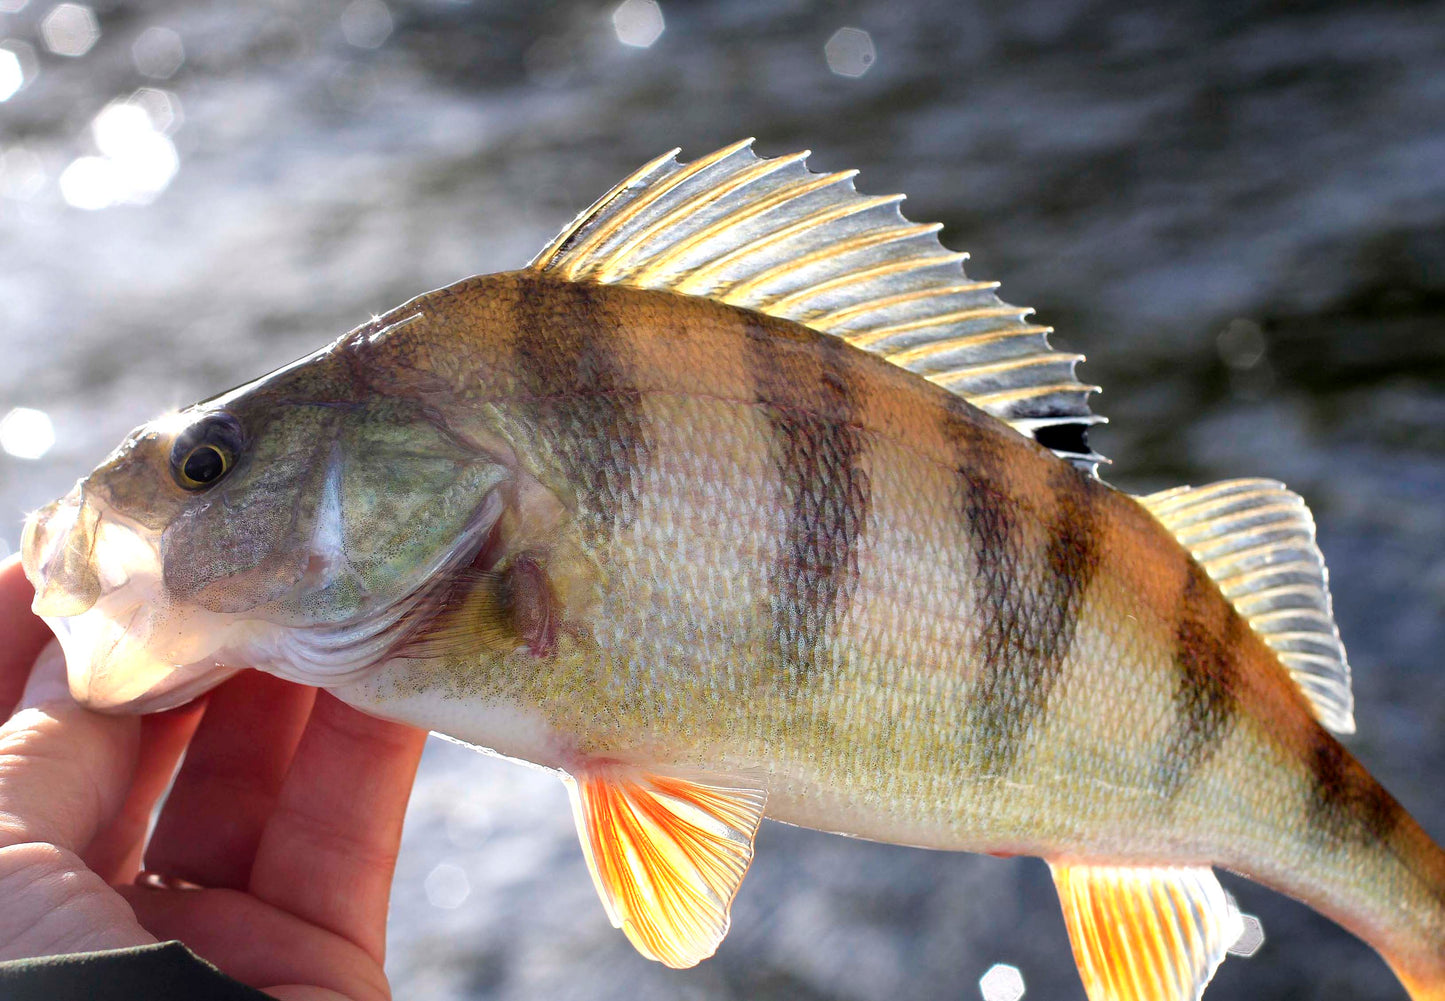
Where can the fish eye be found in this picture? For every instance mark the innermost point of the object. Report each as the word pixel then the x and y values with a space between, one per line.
pixel 205 452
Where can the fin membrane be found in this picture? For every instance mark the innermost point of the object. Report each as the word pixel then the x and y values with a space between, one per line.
pixel 1144 934
pixel 772 236
pixel 666 854
pixel 1256 540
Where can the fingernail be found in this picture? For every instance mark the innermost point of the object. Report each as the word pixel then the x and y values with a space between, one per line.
pixel 48 682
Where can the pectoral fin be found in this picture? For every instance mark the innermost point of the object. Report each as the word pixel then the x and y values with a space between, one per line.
pixel 666 854
pixel 1146 934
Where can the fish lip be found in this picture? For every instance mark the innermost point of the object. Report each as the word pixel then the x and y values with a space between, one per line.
pixel 99 587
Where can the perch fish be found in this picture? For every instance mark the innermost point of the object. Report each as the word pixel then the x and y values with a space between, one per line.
pixel 742 499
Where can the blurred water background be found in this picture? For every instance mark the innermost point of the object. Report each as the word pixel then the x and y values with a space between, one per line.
pixel 1237 210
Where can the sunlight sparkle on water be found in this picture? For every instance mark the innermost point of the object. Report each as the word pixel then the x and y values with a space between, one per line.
pixel 1002 983
pixel 850 52
pixel 638 23
pixel 137 161
pixel 70 29
pixel 26 433
pixel 158 53
pixel 366 23
pixel 12 76
pixel 447 887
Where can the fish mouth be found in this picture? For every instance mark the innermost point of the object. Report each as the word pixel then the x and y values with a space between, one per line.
pixel 98 585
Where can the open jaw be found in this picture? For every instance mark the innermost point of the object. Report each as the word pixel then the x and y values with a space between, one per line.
pixel 99 585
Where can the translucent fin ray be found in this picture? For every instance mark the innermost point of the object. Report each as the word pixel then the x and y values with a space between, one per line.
pixel 666 854
pixel 1146 934
pixel 1256 540
pixel 772 236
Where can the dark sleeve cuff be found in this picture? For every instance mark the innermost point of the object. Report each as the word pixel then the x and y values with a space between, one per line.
pixel 164 971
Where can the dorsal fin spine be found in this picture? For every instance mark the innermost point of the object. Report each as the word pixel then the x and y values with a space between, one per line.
pixel 666 259
pixel 702 199
pixel 837 316
pixel 771 236
pixel 863 241
pixel 561 245
pixel 650 196
pixel 820 218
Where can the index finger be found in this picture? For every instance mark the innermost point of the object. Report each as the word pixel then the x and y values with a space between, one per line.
pixel 22 633
pixel 329 850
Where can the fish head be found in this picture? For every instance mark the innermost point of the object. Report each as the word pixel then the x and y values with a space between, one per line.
pixel 296 524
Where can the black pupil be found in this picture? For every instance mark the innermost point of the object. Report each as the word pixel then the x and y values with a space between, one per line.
pixel 204 464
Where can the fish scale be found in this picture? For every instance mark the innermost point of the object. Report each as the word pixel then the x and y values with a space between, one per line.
pixel 822 539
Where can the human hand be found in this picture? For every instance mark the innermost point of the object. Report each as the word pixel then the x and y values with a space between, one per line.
pixel 286 815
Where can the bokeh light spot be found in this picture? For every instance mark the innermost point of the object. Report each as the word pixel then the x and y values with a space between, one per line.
pixel 137 160
pixel 638 23
pixel 12 6
pixel 26 433
pixel 89 183
pixel 158 53
pixel 161 106
pixel 447 886
pixel 18 67
pixel 1241 344
pixel 850 52
pixel 1002 983
pixel 1250 939
pixel 70 30
pixel 12 75
pixel 366 23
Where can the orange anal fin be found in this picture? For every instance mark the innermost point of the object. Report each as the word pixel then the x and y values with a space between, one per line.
pixel 1146 934
pixel 666 854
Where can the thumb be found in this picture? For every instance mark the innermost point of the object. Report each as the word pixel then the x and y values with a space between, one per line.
pixel 64 771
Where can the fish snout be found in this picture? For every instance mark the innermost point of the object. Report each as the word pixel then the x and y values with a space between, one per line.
pixel 58 553
pixel 98 585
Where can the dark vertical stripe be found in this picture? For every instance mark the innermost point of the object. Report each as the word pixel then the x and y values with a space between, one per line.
pixel 1029 580
pixel 570 354
pixel 806 391
pixel 1348 805
pixel 1206 640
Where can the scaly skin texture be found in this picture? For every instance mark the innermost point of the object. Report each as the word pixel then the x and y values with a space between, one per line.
pixel 777 558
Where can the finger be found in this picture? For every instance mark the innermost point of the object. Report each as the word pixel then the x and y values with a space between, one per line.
pixel 256 943
pixel 64 772
pixel 116 851
pixel 54 904
pixel 226 790
pixel 329 851
pixel 22 633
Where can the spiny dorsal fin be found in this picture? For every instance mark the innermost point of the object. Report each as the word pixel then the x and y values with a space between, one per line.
pixel 1146 934
pixel 772 236
pixel 666 854
pixel 1257 541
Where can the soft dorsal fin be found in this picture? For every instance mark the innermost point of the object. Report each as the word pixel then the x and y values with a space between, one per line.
pixel 772 236
pixel 667 855
pixel 1146 934
pixel 1256 540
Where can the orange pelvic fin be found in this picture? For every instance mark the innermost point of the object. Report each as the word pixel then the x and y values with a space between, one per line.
pixel 1143 934
pixel 666 854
